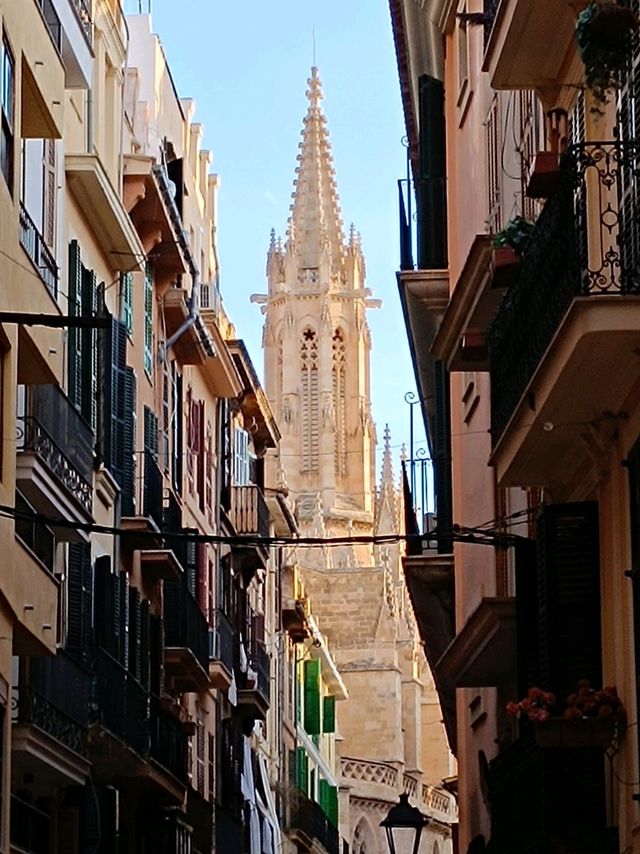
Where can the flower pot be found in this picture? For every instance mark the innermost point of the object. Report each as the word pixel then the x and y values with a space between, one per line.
pixel 573 734
pixel 544 175
pixel 506 267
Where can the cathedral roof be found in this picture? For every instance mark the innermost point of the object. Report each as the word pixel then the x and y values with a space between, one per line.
pixel 315 223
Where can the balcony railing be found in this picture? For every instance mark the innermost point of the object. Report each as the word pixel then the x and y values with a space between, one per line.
pixel 228 831
pixel 29 828
pixel 261 663
pixel 586 243
pixel 185 624
pixel 309 817
pixel 224 640
pixel 83 11
pixel 150 490
pixel 168 742
pixel 248 510
pixel 122 704
pixel 35 535
pixel 53 429
pixel 35 709
pixel 33 244
pixel 52 21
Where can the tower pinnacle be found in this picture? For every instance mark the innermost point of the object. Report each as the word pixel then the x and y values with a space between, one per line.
pixel 315 226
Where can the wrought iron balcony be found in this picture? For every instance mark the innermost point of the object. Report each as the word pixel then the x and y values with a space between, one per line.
pixel 83 11
pixel 34 709
pixel 308 821
pixel 586 243
pixel 30 828
pixel 249 516
pixel 168 741
pixel 254 690
pixel 121 703
pixel 223 643
pixel 186 639
pixel 36 536
pixel 39 254
pixel 229 836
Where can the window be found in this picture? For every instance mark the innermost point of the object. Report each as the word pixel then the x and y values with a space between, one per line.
pixel 339 402
pixel 82 343
pixel 7 103
pixel 240 457
pixel 148 320
pixel 126 303
pixel 309 401
pixel 49 185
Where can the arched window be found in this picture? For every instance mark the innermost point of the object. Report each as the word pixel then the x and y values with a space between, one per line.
pixel 363 839
pixel 309 400
pixel 339 401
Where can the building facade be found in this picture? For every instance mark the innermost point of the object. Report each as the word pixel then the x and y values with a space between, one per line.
pixel 532 584
pixel 317 375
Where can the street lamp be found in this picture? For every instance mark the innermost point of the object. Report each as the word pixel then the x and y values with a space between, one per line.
pixel 403 816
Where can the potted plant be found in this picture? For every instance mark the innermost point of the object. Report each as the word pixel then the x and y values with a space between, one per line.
pixel 591 718
pixel 604 33
pixel 509 245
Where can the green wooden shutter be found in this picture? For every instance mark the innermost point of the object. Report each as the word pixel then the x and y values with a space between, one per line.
pixel 126 301
pixel 302 770
pixel 74 356
pixel 312 697
pixel 128 485
pixel 329 714
pixel 332 805
pixel 148 319
pixel 112 414
pixel 323 799
pixel 569 596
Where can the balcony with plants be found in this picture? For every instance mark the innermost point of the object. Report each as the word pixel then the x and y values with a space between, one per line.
pixel 572 311
pixel 55 457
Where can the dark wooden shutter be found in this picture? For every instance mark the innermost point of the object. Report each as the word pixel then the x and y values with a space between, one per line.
pixel 442 458
pixel 527 623
pixel 74 356
pixel 80 602
pixel 116 618
pixel 178 436
pixel 88 340
pixel 128 484
pixel 302 770
pixel 156 654
pixel 104 605
pixel 123 581
pixel 569 596
pixel 135 640
pixel 145 643
pixel 431 189
pixel 633 463
pixel 150 433
pixel 111 374
pixel 191 567
pixel 312 697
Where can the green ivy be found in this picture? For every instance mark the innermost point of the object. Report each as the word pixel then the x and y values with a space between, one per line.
pixel 515 234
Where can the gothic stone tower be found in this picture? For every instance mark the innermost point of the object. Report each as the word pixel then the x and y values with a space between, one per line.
pixel 316 348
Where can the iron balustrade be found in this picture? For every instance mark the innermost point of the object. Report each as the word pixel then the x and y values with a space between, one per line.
pixel 83 11
pixel 586 243
pixel 52 21
pixel 34 535
pixel 224 640
pixel 311 819
pixel 168 741
pixel 39 254
pixel 54 429
pixel 121 703
pixel 248 510
pixel 34 709
pixel 228 830
pixel 261 663
pixel 29 827
pixel 185 625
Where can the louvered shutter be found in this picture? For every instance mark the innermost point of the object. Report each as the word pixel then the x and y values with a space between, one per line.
pixel 111 376
pixel 88 339
pixel 323 799
pixel 150 433
pixel 211 764
pixel 191 563
pixel 156 654
pixel 104 634
pixel 74 356
pixel 302 770
pixel 442 458
pixel 80 602
pixel 145 641
pixel 312 697
pixel 123 581
pixel 166 419
pixel 178 430
pixel 633 464
pixel 128 484
pixel 332 805
pixel 569 596
pixel 116 618
pixel 527 641
pixel 329 714
pixel 135 640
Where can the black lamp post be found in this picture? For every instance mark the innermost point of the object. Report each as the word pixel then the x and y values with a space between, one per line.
pixel 403 816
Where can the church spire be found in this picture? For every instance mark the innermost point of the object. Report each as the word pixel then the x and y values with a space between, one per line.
pixel 315 225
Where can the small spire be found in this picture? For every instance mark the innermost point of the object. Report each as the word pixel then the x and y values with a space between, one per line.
pixel 387 463
pixel 272 242
pixel 314 92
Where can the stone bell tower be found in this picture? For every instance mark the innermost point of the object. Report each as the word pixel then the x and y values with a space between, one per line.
pixel 317 346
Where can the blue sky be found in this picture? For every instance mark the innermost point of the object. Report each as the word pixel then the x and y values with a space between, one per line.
pixel 246 66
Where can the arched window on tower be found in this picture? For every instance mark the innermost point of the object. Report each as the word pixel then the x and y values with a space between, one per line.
pixel 309 400
pixel 339 401
pixel 363 839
